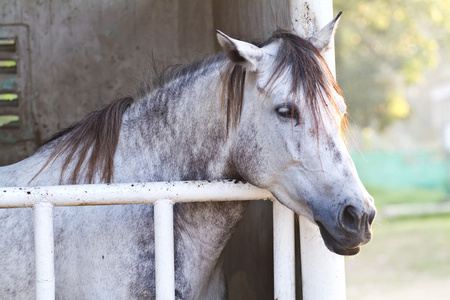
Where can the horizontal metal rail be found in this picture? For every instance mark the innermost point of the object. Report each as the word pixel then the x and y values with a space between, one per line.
pixel 131 193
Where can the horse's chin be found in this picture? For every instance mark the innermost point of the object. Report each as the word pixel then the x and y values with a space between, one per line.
pixel 333 245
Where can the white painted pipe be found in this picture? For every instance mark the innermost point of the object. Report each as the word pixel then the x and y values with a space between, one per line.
pixel 44 251
pixel 323 272
pixel 132 193
pixel 164 250
pixel 310 15
pixel 283 252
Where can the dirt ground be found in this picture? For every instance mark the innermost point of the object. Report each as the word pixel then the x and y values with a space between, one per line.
pixel 407 259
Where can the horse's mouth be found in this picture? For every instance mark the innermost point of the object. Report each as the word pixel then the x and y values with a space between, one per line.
pixel 335 246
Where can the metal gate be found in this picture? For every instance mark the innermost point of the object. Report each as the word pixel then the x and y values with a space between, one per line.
pixel 163 195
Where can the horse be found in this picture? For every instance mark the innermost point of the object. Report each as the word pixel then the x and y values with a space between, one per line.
pixel 271 114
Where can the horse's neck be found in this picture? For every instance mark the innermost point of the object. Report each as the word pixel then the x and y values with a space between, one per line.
pixel 176 133
pixel 180 134
pixel 202 231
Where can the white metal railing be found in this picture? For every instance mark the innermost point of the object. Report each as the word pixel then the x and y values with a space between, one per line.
pixel 163 195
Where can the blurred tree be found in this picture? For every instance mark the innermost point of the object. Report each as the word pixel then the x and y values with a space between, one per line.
pixel 383 46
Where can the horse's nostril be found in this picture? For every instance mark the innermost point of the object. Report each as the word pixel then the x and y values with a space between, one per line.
pixel 353 220
pixel 349 219
pixel 372 216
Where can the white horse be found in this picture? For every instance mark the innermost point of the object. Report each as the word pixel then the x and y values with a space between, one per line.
pixel 270 114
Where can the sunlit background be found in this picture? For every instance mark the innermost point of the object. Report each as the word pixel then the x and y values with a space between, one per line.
pixel 393 65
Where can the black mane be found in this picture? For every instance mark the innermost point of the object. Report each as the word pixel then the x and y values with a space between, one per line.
pixel 309 72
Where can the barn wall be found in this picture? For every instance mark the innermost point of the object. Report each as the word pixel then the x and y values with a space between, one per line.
pixel 252 19
pixel 83 54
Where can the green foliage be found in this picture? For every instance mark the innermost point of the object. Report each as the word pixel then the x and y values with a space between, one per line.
pixel 383 46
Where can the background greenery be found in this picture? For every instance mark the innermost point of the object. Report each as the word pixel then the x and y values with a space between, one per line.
pixel 384 46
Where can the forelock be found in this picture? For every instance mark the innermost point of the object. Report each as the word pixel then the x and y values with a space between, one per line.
pixel 311 82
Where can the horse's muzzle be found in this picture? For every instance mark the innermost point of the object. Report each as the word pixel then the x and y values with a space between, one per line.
pixel 354 230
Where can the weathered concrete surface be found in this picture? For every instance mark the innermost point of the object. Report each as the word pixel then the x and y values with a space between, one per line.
pixel 86 53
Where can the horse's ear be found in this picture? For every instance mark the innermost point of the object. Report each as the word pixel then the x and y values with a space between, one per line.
pixel 322 39
pixel 239 52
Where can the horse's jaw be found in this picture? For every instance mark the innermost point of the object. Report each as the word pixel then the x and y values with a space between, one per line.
pixel 334 245
pixel 344 216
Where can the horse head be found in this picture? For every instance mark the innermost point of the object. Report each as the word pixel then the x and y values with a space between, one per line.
pixel 286 121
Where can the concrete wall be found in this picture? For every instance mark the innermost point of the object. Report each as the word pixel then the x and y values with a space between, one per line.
pixel 75 55
pixel 82 54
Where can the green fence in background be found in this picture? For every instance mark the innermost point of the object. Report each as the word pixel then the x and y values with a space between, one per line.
pixel 403 170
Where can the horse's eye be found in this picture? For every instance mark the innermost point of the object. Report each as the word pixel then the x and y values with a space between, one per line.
pixel 288 112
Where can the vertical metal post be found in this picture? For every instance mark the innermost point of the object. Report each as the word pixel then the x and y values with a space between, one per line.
pixel 323 272
pixel 283 252
pixel 164 250
pixel 308 15
pixel 44 250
